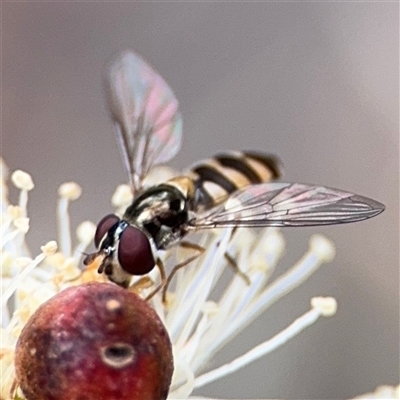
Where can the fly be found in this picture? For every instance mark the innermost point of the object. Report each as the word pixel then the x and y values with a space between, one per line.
pixel 232 189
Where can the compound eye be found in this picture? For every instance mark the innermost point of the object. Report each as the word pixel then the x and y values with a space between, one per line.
pixel 134 252
pixel 103 227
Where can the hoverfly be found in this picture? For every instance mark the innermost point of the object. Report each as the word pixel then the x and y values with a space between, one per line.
pixel 229 190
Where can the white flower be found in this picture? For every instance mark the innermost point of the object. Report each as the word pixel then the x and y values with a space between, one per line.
pixel 199 320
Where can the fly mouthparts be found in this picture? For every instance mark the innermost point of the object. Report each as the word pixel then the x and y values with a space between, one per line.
pixel 90 258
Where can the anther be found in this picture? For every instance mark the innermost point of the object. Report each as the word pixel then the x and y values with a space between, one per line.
pixel 22 180
pixel 70 190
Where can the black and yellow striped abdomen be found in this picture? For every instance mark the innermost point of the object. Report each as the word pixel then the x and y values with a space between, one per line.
pixel 225 173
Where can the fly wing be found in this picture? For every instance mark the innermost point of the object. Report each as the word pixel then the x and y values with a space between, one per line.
pixel 288 204
pixel 145 114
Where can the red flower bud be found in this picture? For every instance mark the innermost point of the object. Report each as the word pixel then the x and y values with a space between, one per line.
pixel 95 341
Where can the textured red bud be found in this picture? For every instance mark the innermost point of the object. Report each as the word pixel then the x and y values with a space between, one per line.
pixel 95 341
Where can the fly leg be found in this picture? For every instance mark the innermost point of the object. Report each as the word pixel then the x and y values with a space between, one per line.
pixel 232 263
pixel 163 278
pixel 187 245
pixel 143 283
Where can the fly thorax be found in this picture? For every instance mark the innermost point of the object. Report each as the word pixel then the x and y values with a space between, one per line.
pixel 162 212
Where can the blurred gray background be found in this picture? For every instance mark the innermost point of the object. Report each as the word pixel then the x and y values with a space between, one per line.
pixel 316 83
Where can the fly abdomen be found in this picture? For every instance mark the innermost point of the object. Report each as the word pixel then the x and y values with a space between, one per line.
pixel 225 173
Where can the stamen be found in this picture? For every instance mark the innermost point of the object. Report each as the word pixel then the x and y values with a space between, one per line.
pixel 122 196
pixel 196 291
pixel 322 247
pixel 293 278
pixel 57 260
pixel 22 180
pixel 9 237
pixel 3 170
pixel 49 248
pixel 261 350
pixel 69 271
pixel 184 379
pixel 23 262
pixel 22 224
pixel 6 264
pixel 14 212
pixel 67 192
pixel 381 392
pixel 327 306
pixel 27 266
pixel 85 233
pixel 70 190
pixel 20 277
pixel 191 346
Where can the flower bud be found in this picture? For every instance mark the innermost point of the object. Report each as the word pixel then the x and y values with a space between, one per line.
pixel 94 341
